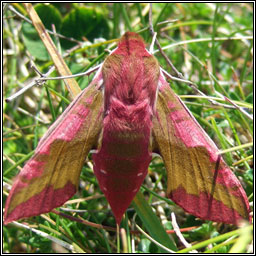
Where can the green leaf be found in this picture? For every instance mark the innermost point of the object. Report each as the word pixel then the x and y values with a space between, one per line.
pixel 33 42
pixel 83 22
pixel 249 98
pixel 49 15
pixel 151 222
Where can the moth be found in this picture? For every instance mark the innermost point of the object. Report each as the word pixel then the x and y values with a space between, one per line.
pixel 126 113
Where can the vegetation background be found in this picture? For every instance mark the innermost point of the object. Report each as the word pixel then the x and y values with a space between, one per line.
pixel 210 43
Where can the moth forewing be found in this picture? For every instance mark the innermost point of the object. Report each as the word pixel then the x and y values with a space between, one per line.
pixel 198 179
pixel 51 176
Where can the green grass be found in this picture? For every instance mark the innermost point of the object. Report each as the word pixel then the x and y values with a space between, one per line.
pixel 211 44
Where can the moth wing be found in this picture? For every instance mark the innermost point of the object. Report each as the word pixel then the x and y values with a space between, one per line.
pixel 51 176
pixel 198 179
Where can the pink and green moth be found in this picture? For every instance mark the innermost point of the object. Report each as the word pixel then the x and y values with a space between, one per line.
pixel 128 112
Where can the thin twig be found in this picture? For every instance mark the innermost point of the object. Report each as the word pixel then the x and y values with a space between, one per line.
pixel 45 235
pixel 239 108
pixel 151 29
pixel 153 240
pixel 88 72
pixel 151 48
pixel 29 114
pixel 31 84
pixel 85 222
pixel 166 22
pixel 44 77
pixel 179 234
pixel 193 86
